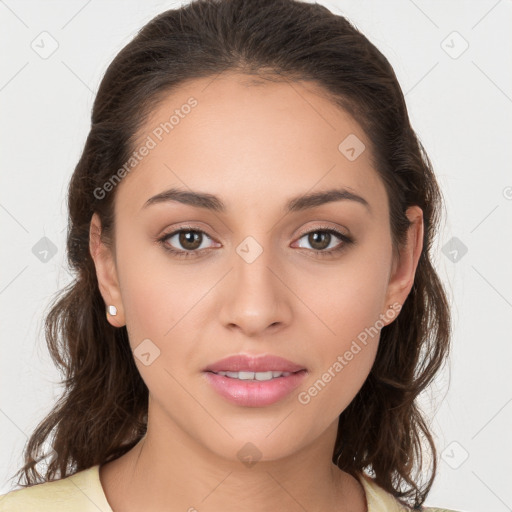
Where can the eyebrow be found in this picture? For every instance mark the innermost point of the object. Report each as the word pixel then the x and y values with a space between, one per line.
pixel 296 204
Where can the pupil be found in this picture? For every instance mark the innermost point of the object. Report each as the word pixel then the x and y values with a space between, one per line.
pixel 313 240
pixel 190 239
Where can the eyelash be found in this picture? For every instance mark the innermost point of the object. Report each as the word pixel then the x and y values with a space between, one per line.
pixel 319 253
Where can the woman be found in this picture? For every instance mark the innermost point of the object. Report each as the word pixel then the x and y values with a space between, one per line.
pixel 255 311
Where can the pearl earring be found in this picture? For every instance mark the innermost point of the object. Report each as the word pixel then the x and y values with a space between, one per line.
pixel 112 310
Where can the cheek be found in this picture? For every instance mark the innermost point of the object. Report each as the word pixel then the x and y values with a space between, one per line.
pixel 161 304
pixel 157 301
pixel 349 304
pixel 345 352
pixel 157 291
pixel 349 296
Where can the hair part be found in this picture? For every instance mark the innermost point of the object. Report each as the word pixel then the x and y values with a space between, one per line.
pixel 102 413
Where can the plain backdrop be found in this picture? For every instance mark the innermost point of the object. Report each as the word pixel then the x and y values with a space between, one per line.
pixel 452 59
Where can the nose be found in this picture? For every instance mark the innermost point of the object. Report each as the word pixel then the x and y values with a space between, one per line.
pixel 255 298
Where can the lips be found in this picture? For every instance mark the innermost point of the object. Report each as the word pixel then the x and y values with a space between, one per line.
pixel 242 362
pixel 253 393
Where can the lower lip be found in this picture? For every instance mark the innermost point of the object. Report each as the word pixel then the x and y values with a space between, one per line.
pixel 255 393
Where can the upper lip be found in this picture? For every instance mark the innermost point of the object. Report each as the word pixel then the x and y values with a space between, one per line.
pixel 242 362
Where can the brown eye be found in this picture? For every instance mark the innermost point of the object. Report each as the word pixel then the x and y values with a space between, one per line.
pixel 185 242
pixel 319 240
pixel 190 240
pixel 324 240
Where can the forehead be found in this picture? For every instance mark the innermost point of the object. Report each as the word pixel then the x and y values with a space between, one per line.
pixel 254 143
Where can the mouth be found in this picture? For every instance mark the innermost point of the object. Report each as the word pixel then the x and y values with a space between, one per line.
pixel 250 381
pixel 248 367
pixel 252 392
pixel 256 376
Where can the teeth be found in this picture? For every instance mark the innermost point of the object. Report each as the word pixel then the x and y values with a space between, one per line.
pixel 254 375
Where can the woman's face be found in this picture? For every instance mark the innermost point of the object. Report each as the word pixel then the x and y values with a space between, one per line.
pixel 264 275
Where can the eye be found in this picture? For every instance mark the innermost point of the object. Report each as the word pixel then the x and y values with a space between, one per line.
pixel 191 241
pixel 323 241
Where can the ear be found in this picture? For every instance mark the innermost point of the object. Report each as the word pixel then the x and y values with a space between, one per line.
pixel 106 272
pixel 404 268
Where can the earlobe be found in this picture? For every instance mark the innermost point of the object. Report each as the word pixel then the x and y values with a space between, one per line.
pixel 404 269
pixel 106 274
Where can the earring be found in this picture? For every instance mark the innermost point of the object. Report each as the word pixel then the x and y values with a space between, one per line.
pixel 111 310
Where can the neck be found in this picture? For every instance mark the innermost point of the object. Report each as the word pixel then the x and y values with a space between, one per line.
pixel 175 473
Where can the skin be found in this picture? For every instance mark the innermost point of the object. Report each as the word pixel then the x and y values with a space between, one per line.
pixel 254 146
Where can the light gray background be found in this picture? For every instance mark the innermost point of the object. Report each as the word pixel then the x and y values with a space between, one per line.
pixel 460 104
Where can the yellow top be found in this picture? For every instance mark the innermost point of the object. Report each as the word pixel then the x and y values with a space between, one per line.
pixel 82 492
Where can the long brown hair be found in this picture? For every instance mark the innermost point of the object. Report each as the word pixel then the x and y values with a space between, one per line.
pixel 103 411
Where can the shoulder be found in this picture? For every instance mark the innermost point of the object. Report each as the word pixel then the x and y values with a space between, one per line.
pixel 80 492
pixel 379 500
